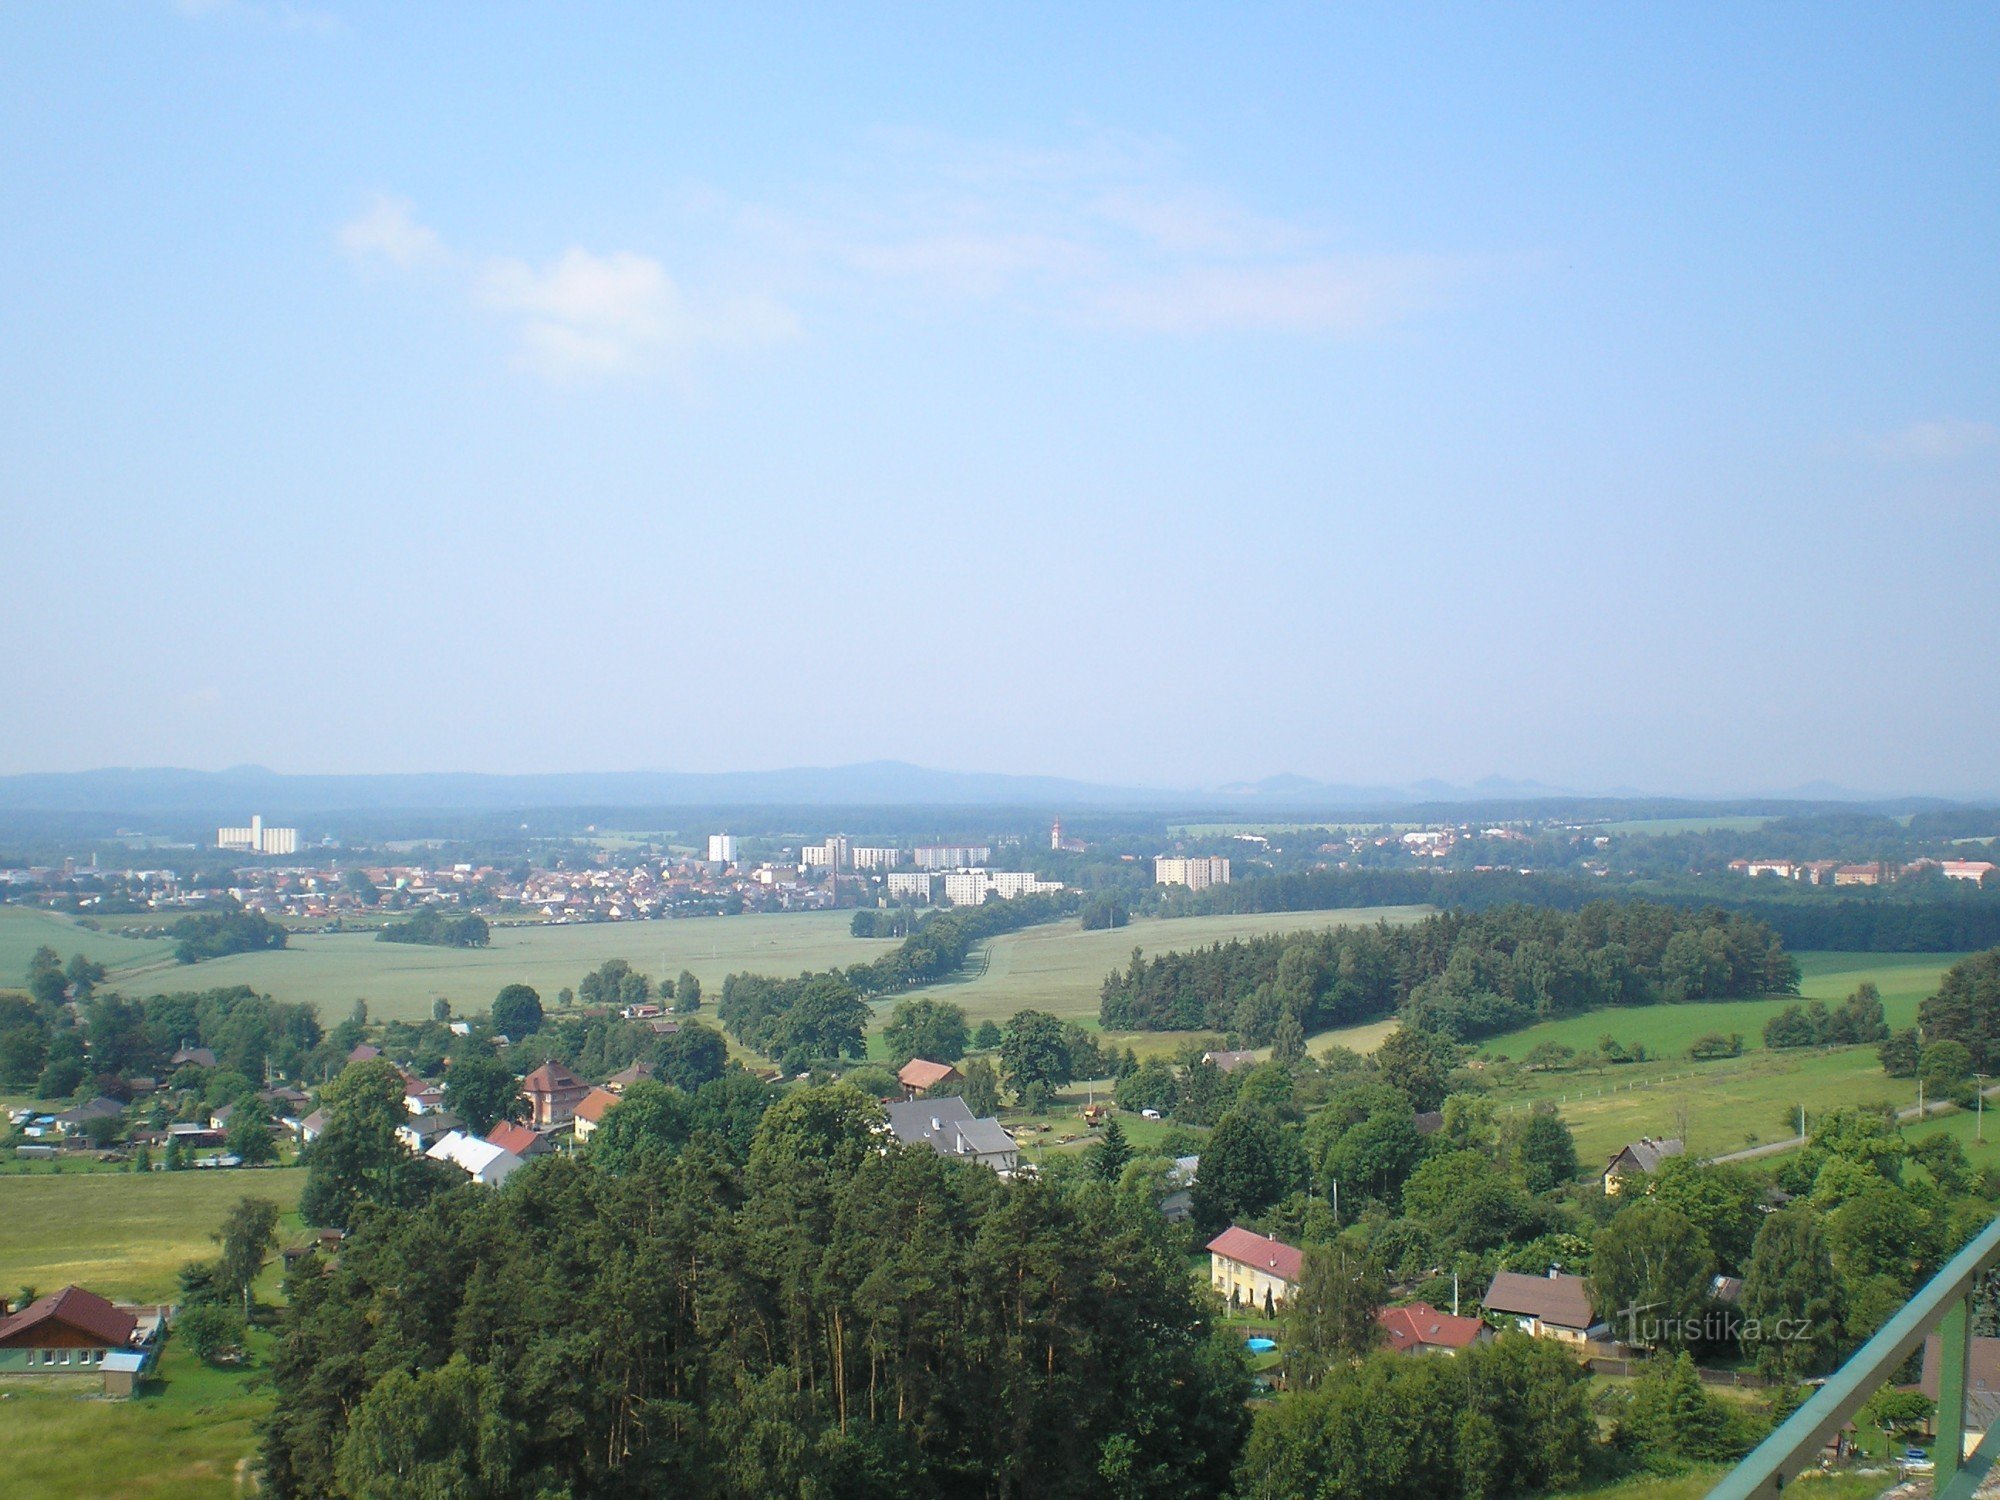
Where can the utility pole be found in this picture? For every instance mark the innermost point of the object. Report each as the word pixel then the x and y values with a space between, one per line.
pixel 1336 1203
pixel 1979 1114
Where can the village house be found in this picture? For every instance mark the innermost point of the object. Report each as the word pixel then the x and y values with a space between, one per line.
pixel 193 1057
pixel 482 1161
pixel 1229 1062
pixel 1978 871
pixel 1254 1270
pixel 919 1077
pixel 590 1112
pixel 553 1093
pixel 639 1072
pixel 75 1332
pixel 1419 1328
pixel 512 1135
pixel 1555 1306
pixel 76 1121
pixel 1640 1159
pixel 419 1132
pixel 949 1128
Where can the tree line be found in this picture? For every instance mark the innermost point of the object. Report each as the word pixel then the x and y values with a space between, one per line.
pixel 823 1314
pixel 1461 974
pixel 438 929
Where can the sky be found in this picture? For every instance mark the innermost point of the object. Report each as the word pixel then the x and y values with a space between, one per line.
pixel 1159 394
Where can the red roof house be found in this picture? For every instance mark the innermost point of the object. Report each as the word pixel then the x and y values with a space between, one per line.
pixel 512 1135
pixel 553 1093
pixel 1254 1269
pixel 1420 1328
pixel 69 1319
pixel 590 1111
pixel 920 1077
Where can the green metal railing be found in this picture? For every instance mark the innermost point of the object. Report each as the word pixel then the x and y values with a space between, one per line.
pixel 1944 1304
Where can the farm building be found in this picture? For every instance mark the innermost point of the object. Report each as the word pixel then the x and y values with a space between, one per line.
pixel 1640 1159
pixel 482 1161
pixel 75 1332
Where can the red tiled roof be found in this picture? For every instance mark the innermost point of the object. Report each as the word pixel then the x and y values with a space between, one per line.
pixel 594 1104
pixel 364 1053
pixel 512 1135
pixel 1248 1248
pixel 1419 1324
pixel 74 1307
pixel 919 1074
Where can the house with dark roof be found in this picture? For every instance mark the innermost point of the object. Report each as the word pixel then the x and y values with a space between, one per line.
pixel 70 1332
pixel 1555 1306
pixel 1419 1328
pixel 624 1078
pixel 1254 1270
pixel 193 1057
pixel 1640 1159
pixel 73 1121
pixel 920 1077
pixel 1229 1062
pixel 364 1053
pixel 553 1093
pixel 949 1128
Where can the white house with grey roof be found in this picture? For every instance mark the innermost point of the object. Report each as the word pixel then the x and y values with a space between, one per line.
pixel 950 1129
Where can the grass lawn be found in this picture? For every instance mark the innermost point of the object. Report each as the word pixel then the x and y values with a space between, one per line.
pixel 23 929
pixel 1699 1480
pixel 122 1234
pixel 1667 827
pixel 190 1436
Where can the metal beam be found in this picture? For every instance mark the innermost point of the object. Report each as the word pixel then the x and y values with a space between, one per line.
pixel 1797 1445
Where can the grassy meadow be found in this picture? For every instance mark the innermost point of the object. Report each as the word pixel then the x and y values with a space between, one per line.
pixel 119 1233
pixel 23 929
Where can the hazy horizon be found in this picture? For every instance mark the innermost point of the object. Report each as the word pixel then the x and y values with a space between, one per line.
pixel 1597 398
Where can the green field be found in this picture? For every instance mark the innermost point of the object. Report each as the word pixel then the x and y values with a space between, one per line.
pixel 1060 968
pixel 23 929
pixel 121 1234
pixel 191 1436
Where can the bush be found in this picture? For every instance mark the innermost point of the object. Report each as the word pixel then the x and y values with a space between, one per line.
pixel 213 1331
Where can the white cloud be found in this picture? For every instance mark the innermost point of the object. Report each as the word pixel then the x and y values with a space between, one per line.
pixel 1106 229
pixel 582 314
pixel 1936 441
pixel 388 230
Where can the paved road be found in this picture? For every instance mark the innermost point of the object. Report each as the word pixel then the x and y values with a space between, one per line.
pixel 1792 1143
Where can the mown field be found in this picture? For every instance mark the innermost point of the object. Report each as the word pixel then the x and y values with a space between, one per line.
pixel 119 1233
pixel 24 929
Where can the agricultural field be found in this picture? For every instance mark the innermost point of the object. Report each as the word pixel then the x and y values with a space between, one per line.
pixel 1060 968
pixel 120 1233
pixel 23 929
pixel 400 980
pixel 191 1436
pixel 1668 827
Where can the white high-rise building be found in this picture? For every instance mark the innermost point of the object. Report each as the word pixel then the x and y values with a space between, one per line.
pixel 868 857
pixel 976 887
pixel 1196 873
pixel 951 856
pixel 257 839
pixel 836 853
pixel 910 885
pixel 722 848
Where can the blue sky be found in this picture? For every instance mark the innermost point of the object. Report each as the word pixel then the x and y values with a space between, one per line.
pixel 1155 394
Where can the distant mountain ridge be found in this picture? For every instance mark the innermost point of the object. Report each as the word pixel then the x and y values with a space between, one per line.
pixel 244 789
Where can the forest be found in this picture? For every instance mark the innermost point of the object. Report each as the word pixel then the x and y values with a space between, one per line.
pixel 1462 974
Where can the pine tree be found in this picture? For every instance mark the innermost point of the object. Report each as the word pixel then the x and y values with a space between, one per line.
pixel 1112 1151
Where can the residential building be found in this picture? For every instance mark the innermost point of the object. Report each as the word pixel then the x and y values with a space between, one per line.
pixel 639 1072
pixel 1229 1062
pixel 835 854
pixel 910 885
pixel 1817 871
pixel 1197 872
pixel 950 856
pixel 1555 1306
pixel 1982 1383
pixel 481 1160
pixel 422 1130
pixel 1868 874
pixel 193 1057
pixel 1254 1270
pixel 75 1121
pixel 72 1332
pixel 976 887
pixel 1640 1159
pixel 590 1112
pixel 722 848
pixel 257 839
pixel 512 1135
pixel 1419 1328
pixel 875 857
pixel 1978 871
pixel 1782 868
pixel 919 1077
pixel 553 1093
pixel 950 1129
